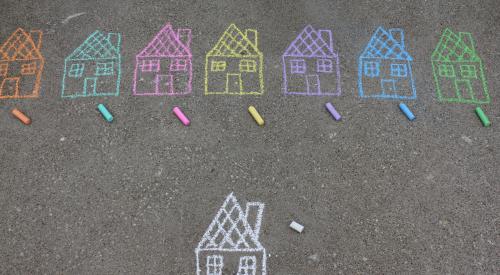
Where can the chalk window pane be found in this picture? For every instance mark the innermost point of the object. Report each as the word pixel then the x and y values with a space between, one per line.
pixel 297 66
pixel 372 69
pixel 468 71
pixel 28 69
pixel 152 65
pixel 248 66
pixel 104 68
pixel 248 265
pixel 215 263
pixel 178 65
pixel 399 70
pixel 324 66
pixel 4 68
pixel 218 66
pixel 446 70
pixel 76 70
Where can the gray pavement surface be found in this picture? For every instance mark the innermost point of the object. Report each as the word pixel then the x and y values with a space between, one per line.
pixel 377 194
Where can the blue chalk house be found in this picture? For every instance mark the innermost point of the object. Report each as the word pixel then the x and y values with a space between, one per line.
pixel 384 70
pixel 94 68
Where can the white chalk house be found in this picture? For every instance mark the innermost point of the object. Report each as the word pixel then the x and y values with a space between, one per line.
pixel 231 244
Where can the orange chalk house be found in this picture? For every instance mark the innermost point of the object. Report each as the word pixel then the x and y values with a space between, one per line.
pixel 21 65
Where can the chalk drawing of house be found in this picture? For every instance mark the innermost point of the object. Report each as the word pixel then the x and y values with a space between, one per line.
pixel 458 70
pixel 385 67
pixel 94 68
pixel 21 65
pixel 231 244
pixel 164 67
pixel 310 65
pixel 234 66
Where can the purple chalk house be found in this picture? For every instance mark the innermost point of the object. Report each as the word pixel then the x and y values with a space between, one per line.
pixel 310 65
pixel 164 67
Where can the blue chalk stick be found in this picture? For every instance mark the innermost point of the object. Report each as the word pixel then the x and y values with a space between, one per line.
pixel 406 111
pixel 105 113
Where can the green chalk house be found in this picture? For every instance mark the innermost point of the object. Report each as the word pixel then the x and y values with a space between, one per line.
pixel 458 70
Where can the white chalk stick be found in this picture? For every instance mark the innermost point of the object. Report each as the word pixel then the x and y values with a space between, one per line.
pixel 297 226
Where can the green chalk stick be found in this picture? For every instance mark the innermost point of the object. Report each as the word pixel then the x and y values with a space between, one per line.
pixel 484 119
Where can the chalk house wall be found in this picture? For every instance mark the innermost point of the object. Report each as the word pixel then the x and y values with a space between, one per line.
pixel 146 82
pixel 105 85
pixel 231 261
pixel 217 80
pixel 296 83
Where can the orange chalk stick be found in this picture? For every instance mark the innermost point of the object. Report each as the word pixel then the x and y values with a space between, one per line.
pixel 22 117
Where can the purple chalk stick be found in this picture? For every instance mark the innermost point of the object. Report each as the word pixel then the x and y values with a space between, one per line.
pixel 332 111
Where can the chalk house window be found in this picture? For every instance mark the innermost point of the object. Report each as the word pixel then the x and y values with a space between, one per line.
pixel 76 70
pixel 399 70
pixel 446 70
pixel 152 65
pixel 215 264
pixel 4 69
pixel 324 66
pixel 218 66
pixel 178 65
pixel 27 69
pixel 248 66
pixel 105 68
pixel 372 69
pixel 248 265
pixel 468 71
pixel 297 66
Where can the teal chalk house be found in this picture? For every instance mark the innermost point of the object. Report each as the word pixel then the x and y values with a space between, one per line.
pixel 94 68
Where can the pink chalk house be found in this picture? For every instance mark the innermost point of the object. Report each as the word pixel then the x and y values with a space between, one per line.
pixel 164 67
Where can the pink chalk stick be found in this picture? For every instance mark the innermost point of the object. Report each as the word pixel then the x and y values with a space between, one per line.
pixel 181 116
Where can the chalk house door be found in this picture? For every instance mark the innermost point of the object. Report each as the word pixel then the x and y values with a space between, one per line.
pixel 233 84
pixel 10 87
pixel 464 89
pixel 90 86
pixel 388 87
pixel 165 83
pixel 313 87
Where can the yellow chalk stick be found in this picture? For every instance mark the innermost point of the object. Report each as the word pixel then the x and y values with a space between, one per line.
pixel 256 115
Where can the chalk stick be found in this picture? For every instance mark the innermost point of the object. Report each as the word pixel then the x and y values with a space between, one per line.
pixel 297 226
pixel 482 116
pixel 256 116
pixel 21 116
pixel 105 113
pixel 333 112
pixel 406 111
pixel 181 116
